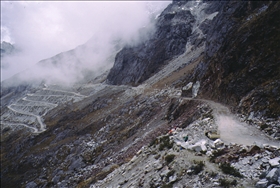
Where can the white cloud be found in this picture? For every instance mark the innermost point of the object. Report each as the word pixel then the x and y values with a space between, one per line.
pixel 43 29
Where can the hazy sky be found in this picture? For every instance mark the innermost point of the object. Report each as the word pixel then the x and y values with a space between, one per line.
pixel 43 29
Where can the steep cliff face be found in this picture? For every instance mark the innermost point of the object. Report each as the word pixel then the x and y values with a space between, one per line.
pixel 241 64
pixel 133 65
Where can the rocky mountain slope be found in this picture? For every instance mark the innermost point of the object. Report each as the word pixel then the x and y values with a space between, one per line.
pixel 197 105
pixel 7 49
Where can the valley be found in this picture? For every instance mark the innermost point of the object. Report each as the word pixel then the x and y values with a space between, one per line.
pixel 196 105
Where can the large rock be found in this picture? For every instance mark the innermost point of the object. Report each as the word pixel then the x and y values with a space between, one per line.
pixel 135 64
pixel 199 146
pixel 240 67
pixel 273 175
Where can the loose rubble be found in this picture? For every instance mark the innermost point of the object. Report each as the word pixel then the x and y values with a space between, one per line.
pixel 197 163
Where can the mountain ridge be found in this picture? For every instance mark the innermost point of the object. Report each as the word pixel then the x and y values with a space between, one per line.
pixel 128 128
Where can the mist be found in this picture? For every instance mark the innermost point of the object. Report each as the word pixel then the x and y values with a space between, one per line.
pixel 95 30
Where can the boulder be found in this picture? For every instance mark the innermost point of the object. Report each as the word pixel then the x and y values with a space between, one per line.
pixel 199 146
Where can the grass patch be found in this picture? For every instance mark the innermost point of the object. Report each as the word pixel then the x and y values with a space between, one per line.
pixel 227 183
pixel 165 142
pixel 228 169
pixel 213 174
pixel 169 158
pixel 169 185
pixel 216 154
pixel 197 167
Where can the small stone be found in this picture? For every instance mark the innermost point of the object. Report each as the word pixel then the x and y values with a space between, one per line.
pixel 158 165
pixel 265 160
pixel 273 175
pixel 262 183
pixel 139 152
pixel 218 143
pixel 172 178
pixel 271 186
pixel 216 183
pixel 133 159
pixel 209 153
pixel 274 162
pixel 164 173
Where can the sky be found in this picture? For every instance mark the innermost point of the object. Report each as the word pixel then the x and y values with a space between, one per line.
pixel 40 30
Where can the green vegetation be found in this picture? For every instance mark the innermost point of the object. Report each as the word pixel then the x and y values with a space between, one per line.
pixel 169 185
pixel 169 158
pixel 216 154
pixel 197 167
pixel 165 143
pixel 213 174
pixel 228 169
pixel 227 183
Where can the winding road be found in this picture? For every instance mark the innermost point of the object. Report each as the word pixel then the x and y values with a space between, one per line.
pixel 26 112
pixel 230 128
pixel 233 130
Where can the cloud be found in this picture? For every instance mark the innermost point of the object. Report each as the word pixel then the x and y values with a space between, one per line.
pixel 41 30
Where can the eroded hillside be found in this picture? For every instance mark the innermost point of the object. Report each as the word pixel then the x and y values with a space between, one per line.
pixel 210 73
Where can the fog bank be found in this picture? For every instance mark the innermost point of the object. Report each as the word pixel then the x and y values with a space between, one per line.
pixel 40 30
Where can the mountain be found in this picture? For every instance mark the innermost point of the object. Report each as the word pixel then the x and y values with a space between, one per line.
pixel 196 105
pixel 7 49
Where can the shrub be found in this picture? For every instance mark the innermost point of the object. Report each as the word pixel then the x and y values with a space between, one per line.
pixel 227 183
pixel 165 143
pixel 153 142
pixel 224 183
pixel 213 174
pixel 197 167
pixel 228 169
pixel 167 185
pixel 216 154
pixel 169 158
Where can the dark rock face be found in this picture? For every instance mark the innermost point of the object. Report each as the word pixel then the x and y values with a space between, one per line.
pixel 133 65
pixel 241 65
